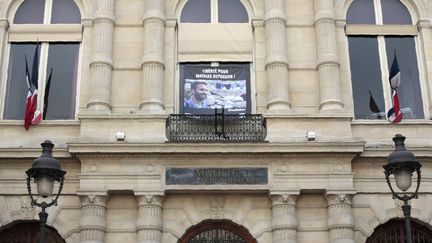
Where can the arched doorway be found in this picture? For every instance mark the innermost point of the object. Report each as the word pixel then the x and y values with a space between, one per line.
pixel 210 231
pixel 28 232
pixel 394 232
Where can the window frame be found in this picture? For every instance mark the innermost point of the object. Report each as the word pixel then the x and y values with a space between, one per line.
pixel 214 13
pixel 45 33
pixel 381 31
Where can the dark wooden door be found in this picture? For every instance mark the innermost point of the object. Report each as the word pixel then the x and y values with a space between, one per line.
pixel 394 232
pixel 217 231
pixel 28 232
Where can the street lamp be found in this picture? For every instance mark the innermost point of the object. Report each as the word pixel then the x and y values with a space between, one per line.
pixel 402 164
pixel 45 171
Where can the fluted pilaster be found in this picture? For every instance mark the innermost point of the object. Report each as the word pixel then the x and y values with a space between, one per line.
pixel 149 223
pixel 93 219
pixel 340 218
pixel 276 56
pixel 153 65
pixel 101 63
pixel 328 61
pixel 284 221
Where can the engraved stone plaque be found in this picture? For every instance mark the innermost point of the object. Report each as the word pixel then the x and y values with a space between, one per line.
pixel 216 176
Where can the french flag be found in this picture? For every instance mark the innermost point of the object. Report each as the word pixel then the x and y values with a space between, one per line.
pixel 32 115
pixel 395 114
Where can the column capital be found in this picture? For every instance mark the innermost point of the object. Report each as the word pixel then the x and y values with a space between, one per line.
pixel 150 200
pixel 338 199
pixel 93 199
pixel 283 199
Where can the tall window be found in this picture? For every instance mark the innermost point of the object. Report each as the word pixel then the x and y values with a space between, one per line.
pixel 54 26
pixel 214 11
pixel 378 31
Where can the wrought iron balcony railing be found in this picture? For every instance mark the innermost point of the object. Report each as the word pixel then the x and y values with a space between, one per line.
pixel 231 128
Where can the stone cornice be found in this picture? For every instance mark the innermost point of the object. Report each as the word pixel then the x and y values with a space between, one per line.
pixel 343 148
pixel 27 152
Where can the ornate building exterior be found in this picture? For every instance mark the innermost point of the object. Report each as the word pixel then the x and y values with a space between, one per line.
pixel 296 155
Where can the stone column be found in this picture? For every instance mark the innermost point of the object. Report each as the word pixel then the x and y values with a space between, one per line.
pixel 276 56
pixel 284 221
pixel 340 218
pixel 328 61
pixel 93 220
pixel 149 223
pixel 101 63
pixel 153 65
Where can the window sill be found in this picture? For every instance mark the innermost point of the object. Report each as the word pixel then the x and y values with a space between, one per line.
pixel 43 123
pixel 384 122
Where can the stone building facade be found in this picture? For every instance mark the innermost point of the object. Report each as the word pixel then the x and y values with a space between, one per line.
pixel 303 79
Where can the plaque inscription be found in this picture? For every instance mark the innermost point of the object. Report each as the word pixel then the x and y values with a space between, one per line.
pixel 216 176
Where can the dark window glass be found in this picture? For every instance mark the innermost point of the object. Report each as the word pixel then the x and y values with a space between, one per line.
pixel 394 12
pixel 65 12
pixel 409 91
pixel 63 59
pixel 30 12
pixel 366 77
pixel 361 12
pixel 17 88
pixel 232 11
pixel 196 11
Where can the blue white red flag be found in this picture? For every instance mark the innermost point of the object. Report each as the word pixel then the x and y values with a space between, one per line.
pixel 32 115
pixel 395 114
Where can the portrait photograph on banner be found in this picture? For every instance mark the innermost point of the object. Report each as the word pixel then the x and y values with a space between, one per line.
pixel 204 88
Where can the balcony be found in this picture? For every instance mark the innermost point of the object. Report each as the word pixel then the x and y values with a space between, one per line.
pixel 230 128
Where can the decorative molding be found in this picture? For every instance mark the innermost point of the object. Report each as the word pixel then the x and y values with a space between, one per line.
pixel 338 199
pixel 283 199
pixel 93 200
pixel 155 200
pixel 188 156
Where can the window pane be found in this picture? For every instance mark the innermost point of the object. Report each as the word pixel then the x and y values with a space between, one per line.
pixel 16 90
pixel 361 12
pixel 394 12
pixel 30 12
pixel 63 59
pixel 409 91
pixel 366 77
pixel 65 12
pixel 196 11
pixel 232 11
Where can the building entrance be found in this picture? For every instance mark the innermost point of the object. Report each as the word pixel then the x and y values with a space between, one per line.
pixel 217 231
pixel 394 232
pixel 28 232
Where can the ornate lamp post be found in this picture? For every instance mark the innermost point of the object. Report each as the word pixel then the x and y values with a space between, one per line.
pixel 45 171
pixel 402 164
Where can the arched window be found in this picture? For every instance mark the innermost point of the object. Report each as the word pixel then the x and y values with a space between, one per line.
pixel 28 232
pixel 217 231
pixel 50 29
pixel 215 40
pixel 394 231
pixel 214 11
pixel 378 32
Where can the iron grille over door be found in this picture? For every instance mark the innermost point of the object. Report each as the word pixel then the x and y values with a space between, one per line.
pixel 217 236
pixel 217 231
pixel 28 232
pixel 394 232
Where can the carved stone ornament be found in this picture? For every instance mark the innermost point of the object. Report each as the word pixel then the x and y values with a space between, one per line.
pixel 92 199
pixel 338 199
pixel 284 199
pixel 150 200
pixel 217 206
